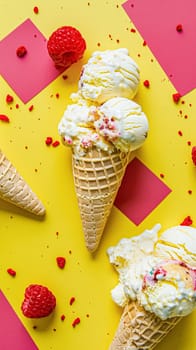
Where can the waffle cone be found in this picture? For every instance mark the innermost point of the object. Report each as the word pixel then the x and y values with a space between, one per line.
pixel 97 178
pixel 15 190
pixel 140 330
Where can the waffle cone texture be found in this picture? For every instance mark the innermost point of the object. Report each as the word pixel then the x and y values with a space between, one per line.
pixel 140 330
pixel 15 190
pixel 97 177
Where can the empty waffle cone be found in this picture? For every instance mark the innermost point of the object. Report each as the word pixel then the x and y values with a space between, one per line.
pixel 139 329
pixel 15 190
pixel 97 176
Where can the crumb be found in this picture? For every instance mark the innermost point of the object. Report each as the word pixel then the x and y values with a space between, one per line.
pixel 36 10
pixel 146 83
pixel 187 221
pixel 21 51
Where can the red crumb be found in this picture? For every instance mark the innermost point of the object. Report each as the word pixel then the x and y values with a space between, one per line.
pixel 36 10
pixel 62 317
pixel 132 30
pixel 21 51
pixel 72 299
pixel 65 77
pixel 146 83
pixel 55 144
pixel 180 133
pixel 162 175
pixel 76 322
pixel 61 261
pixel 179 28
pixel 17 106
pixel 31 108
pixel 48 140
pixel 176 97
pixel 9 99
pixel 193 154
pixel 11 272
pixel 57 95
pixel 144 43
pixel 4 118
pixel 189 191
pixel 189 143
pixel 187 221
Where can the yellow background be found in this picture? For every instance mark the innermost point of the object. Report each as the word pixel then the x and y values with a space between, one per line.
pixel 30 246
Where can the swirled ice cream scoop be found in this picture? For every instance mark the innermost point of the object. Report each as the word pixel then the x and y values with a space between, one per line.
pixel 169 289
pixel 117 124
pixel 122 122
pixel 178 242
pixel 77 130
pixel 109 74
pixel 162 277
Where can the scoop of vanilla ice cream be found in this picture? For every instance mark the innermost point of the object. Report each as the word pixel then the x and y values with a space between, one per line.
pixel 122 122
pixel 169 290
pixel 77 130
pixel 118 124
pixel 159 272
pixel 178 242
pixel 133 258
pixel 109 74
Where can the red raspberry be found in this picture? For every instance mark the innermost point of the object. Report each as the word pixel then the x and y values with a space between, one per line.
pixel 66 46
pixel 38 302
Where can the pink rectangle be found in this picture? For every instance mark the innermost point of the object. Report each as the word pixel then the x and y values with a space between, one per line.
pixel 175 51
pixel 32 73
pixel 13 335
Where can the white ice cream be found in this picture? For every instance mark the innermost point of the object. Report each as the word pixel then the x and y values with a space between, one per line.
pixel 109 74
pixel 159 272
pixel 117 124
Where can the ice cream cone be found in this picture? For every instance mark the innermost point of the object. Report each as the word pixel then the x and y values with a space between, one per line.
pixel 97 177
pixel 15 190
pixel 139 329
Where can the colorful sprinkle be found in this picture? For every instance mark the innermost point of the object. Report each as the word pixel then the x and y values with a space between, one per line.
pixel 159 274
